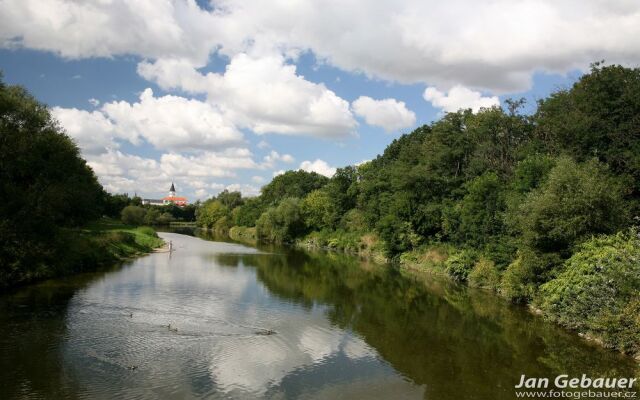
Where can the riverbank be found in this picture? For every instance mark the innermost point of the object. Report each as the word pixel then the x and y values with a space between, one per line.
pixel 101 243
pixel 596 295
pixel 609 320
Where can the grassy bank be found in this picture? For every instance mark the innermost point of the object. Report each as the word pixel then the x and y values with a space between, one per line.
pixel 357 243
pixel 73 251
pixel 243 234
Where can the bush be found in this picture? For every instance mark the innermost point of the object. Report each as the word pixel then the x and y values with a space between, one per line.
pixel 151 218
pixel 147 230
pixel 210 212
pixel 353 220
pixel 599 291
pixel 398 236
pixel 576 201
pixel 480 211
pixel 518 282
pixel 165 218
pixel 222 225
pixel 459 265
pixel 248 213
pixel 281 224
pixel 133 215
pixel 484 275
pixel 243 234
pixel 317 210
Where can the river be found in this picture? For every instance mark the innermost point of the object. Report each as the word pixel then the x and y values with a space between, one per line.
pixel 217 319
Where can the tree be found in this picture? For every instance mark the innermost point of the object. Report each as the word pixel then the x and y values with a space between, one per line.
pixel 229 199
pixel 114 203
pixel 575 202
pixel 281 224
pixel 134 215
pixel 44 184
pixel 152 216
pixel 342 192
pixel 292 184
pixel 597 117
pixel 248 213
pixel 317 209
pixel 210 212
pixel 531 172
pixel 480 210
pixel 165 218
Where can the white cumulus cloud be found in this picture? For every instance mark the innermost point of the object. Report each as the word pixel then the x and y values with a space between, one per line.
pixel 208 164
pixel 170 123
pixel 173 122
pixel 197 175
pixel 82 29
pixel 271 159
pixel 459 97
pixel 491 46
pixel 92 131
pixel 262 93
pixel 390 114
pixel 319 166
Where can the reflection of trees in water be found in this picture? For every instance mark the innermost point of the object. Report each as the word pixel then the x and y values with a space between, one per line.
pixel 455 340
pixel 32 330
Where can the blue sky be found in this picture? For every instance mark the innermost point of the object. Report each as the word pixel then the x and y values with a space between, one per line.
pixel 226 94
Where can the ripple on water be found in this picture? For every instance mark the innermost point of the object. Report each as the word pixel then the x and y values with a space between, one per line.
pixel 193 324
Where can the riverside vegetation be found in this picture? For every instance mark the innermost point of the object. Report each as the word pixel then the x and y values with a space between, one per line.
pixel 54 213
pixel 540 207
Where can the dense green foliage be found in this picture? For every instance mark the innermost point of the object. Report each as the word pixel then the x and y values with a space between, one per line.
pixel 133 215
pixel 598 291
pixel 282 223
pixel 576 201
pixel 516 194
pixel 597 117
pixel 291 184
pixel 49 195
pixel 210 212
pixel 45 185
pixel 484 275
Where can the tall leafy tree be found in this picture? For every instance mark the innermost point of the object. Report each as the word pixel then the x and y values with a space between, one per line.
pixel 44 183
pixel 292 184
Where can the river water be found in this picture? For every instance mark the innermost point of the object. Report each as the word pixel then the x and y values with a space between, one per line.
pixel 222 320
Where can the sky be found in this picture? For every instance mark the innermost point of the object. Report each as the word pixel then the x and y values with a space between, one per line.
pixel 226 94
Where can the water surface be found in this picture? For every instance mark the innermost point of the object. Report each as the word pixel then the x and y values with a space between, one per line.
pixel 223 320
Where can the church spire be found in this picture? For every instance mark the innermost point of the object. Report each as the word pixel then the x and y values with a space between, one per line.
pixel 172 191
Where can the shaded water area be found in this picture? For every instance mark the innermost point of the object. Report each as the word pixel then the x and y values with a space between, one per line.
pixel 223 320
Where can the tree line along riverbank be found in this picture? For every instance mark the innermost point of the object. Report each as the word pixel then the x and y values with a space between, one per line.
pixel 54 213
pixel 539 203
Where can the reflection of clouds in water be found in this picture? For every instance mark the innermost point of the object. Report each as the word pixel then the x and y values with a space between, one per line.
pixel 319 343
pixel 252 365
pixel 356 348
pixel 262 362
pixel 219 311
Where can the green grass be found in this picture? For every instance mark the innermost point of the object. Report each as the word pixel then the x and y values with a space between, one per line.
pixel 143 238
pixel 243 234
pixel 71 251
pixel 430 257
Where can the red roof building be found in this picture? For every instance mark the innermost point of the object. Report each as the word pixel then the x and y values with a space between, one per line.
pixel 173 199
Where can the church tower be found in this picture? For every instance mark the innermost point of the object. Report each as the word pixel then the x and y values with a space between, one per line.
pixel 172 191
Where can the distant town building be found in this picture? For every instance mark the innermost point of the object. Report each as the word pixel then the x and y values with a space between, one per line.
pixel 152 202
pixel 170 199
